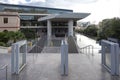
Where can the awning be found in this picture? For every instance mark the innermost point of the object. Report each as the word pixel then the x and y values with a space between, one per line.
pixel 64 16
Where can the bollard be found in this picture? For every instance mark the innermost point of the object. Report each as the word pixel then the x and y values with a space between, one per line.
pixel 64 58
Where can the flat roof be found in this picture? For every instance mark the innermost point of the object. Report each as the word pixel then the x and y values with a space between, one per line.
pixel 33 14
pixel 35 7
pixel 65 16
pixel 9 14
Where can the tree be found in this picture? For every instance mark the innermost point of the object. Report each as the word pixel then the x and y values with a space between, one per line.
pixel 91 30
pixel 29 33
pixel 109 28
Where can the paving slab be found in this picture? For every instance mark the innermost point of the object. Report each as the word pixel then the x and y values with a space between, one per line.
pixel 47 67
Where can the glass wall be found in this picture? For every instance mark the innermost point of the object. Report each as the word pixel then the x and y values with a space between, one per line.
pixel 31 20
pixel 31 9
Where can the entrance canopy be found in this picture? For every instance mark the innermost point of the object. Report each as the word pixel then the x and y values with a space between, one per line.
pixel 64 17
pixel 70 18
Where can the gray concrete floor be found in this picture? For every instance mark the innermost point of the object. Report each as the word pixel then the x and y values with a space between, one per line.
pixel 51 50
pixel 47 67
pixel 42 66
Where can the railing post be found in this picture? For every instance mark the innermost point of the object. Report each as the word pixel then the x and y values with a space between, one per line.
pixel 86 50
pixel 17 59
pixel 92 51
pixel 89 49
pixel 13 59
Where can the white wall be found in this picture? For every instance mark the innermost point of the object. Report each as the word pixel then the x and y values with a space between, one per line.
pixel 12 25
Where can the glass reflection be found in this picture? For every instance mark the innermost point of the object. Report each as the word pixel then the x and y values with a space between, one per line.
pixel 21 55
pixel 107 56
pixel 31 9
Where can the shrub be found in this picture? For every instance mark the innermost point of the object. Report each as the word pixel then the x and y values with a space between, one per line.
pixel 2 44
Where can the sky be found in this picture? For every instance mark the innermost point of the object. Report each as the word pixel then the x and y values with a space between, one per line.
pixel 99 9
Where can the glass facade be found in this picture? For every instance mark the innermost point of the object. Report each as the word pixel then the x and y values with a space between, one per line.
pixel 31 20
pixel 31 9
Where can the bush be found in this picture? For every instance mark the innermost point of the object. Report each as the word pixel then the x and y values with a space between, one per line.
pixel 7 36
pixel 79 31
pixel 2 44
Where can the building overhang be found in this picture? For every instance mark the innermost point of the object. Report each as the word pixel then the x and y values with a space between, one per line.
pixel 9 14
pixel 64 17
pixel 32 14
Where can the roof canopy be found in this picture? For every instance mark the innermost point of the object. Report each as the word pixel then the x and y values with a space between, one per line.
pixel 64 17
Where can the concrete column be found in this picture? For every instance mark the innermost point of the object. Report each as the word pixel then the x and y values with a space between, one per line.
pixel 49 30
pixel 70 27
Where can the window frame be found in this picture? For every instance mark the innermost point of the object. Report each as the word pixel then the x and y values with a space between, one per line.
pixel 5 20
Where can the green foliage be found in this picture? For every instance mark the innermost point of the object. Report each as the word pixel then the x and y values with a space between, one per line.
pixel 79 30
pixel 29 33
pixel 109 28
pixel 7 36
pixel 3 37
pixel 91 31
pixel 2 44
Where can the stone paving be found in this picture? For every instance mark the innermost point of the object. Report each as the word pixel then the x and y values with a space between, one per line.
pixel 51 50
pixel 47 67
pixel 41 66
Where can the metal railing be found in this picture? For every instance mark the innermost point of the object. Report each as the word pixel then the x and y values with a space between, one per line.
pixel 6 68
pixel 38 49
pixel 18 56
pixel 87 49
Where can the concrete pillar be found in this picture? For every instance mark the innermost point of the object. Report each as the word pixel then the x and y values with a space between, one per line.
pixel 49 30
pixel 70 27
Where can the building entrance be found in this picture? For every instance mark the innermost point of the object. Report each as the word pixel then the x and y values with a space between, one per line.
pixel 59 32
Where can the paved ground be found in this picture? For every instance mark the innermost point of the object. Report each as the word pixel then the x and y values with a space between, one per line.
pixel 47 66
pixel 51 50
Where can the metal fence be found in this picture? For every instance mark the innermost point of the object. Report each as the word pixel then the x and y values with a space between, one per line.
pixel 89 49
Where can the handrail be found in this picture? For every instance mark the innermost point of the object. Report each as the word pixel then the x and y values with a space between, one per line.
pixel 6 68
pixel 85 46
pixel 39 47
pixel 87 49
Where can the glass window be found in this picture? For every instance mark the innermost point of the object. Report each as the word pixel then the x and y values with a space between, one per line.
pixel 27 9
pixel 107 56
pixel 1 7
pixel 5 20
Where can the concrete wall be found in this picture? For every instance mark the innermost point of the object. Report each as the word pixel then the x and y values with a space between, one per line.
pixel 12 25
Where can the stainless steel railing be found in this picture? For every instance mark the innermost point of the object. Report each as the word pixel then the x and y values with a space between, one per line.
pixel 6 68
pixel 39 49
pixel 87 49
